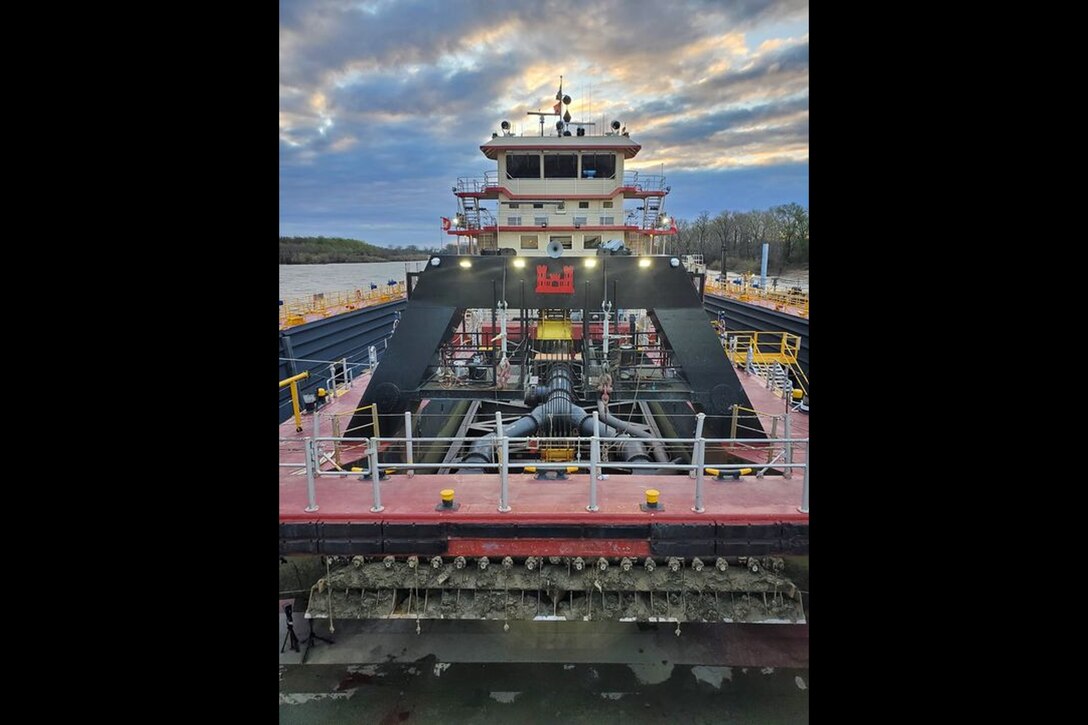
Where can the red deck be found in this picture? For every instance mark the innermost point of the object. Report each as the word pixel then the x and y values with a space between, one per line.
pixel 765 401
pixel 749 500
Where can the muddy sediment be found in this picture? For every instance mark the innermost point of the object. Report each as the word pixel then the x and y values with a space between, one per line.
pixel 367 590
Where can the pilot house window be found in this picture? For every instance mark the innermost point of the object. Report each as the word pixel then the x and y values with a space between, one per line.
pixel 598 166
pixel 523 166
pixel 560 166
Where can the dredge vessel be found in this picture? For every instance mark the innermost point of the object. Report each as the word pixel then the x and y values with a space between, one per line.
pixel 556 430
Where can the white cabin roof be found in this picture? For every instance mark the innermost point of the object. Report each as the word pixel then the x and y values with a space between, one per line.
pixel 616 142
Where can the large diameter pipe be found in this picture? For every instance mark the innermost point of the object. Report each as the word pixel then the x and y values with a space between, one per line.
pixel 609 419
pixel 558 408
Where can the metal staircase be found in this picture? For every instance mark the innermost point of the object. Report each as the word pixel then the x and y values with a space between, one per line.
pixel 773 372
pixel 470 210
pixel 651 210
pixel 771 355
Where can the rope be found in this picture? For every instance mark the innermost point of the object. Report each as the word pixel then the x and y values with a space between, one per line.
pixel 503 376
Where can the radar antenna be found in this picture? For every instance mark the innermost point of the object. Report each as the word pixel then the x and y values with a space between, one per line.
pixel 562 126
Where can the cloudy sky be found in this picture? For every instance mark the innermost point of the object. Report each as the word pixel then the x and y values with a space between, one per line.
pixel 384 103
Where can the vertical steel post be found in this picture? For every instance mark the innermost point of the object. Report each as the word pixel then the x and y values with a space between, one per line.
pixel 804 490
pixel 788 429
pixel 315 448
pixel 295 407
pixel 504 468
pixel 311 492
pixel 375 477
pixel 699 456
pixel 585 325
pixel 763 270
pixel 336 444
pixel 502 327
pixel 594 462
pixel 494 323
pixel 408 441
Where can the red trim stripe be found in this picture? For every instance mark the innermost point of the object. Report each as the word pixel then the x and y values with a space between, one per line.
pixel 492 192
pixel 550 228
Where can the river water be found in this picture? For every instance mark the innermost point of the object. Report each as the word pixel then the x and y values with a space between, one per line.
pixel 302 280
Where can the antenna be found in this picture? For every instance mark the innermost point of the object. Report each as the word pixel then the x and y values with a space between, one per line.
pixel 542 114
pixel 564 122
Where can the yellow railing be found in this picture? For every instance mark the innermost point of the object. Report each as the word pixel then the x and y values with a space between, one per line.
pixel 785 301
pixel 767 348
pixel 293 382
pixel 800 377
pixel 294 311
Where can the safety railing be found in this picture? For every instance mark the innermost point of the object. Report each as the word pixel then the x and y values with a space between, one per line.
pixel 490 180
pixel 738 426
pixel 341 378
pixel 295 407
pixel 766 347
pixel 644 182
pixel 771 354
pixel 697 468
pixel 295 311
pixel 477 184
pixel 791 300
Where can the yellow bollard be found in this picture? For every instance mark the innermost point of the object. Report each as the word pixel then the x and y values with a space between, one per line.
pixel 652 501
pixel 447 503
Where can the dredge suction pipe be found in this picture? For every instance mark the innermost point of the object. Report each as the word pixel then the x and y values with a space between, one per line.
pixel 557 410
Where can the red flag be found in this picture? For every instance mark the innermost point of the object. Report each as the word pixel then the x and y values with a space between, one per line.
pixel 557 106
pixel 445 224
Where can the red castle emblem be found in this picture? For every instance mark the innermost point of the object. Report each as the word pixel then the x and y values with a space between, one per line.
pixel 552 283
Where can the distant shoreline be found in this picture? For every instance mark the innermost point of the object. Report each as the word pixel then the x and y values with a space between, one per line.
pixel 367 260
pixel 337 250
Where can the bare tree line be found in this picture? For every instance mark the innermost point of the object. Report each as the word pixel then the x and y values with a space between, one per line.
pixel 742 234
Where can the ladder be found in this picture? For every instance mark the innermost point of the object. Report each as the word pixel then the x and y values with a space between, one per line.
pixel 650 211
pixel 470 208
pixel 772 372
